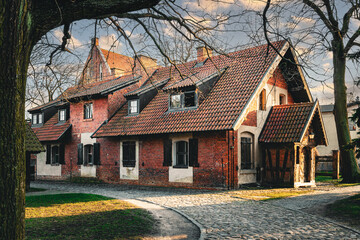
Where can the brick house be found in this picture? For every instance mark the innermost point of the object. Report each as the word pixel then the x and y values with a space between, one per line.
pixel 205 123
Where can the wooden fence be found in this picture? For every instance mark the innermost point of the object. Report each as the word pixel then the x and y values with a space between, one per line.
pixel 329 164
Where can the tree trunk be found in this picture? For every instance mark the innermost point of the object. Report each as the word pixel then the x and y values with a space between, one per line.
pixel 350 171
pixel 15 48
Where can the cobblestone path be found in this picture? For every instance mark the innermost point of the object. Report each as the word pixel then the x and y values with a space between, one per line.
pixel 223 216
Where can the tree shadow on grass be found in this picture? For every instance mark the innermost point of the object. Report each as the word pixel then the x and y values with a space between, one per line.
pixel 118 224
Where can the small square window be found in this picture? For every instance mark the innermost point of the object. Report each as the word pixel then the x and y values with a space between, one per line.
pixel 175 101
pixel 62 115
pixel 88 111
pixel 133 107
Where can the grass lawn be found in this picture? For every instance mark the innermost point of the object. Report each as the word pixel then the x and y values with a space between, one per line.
pixel 84 216
pixel 347 210
pixel 336 182
pixel 270 194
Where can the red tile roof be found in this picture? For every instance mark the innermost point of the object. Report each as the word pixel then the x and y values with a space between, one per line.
pixel 116 60
pixel 287 123
pixel 219 110
pixel 94 88
pixel 52 130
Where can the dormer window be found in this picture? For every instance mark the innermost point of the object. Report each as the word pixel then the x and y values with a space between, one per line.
pixel 37 118
pixel 133 106
pixel 183 100
pixel 62 115
pixel 175 101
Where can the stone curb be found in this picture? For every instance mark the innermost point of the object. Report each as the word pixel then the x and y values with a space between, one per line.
pixel 193 221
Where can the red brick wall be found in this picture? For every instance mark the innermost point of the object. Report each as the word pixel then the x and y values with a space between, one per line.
pixel 212 157
pixel 278 79
pixel 251 119
pixel 81 125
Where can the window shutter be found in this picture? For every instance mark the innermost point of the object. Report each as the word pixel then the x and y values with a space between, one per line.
pixel 193 152
pixel 62 154
pixel 96 153
pixel 167 152
pixel 48 154
pixel 80 154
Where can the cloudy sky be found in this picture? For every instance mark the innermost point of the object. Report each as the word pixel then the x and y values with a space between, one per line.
pixel 232 34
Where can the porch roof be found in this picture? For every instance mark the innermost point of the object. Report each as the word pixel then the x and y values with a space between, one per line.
pixel 289 123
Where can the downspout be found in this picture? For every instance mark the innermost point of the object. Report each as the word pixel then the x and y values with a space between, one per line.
pixel 228 155
pixel 231 163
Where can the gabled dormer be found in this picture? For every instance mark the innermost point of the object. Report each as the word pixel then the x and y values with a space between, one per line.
pixel 189 92
pixel 63 113
pixel 37 119
pixel 139 98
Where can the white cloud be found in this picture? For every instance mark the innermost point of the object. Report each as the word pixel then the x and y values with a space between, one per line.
pixel 110 42
pixel 303 19
pixel 73 42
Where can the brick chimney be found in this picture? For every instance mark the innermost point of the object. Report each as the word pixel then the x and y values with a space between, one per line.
pixel 203 53
pixel 95 41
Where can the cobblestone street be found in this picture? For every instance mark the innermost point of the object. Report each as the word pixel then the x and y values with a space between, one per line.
pixel 223 216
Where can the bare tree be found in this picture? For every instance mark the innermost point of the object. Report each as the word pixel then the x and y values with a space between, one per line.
pixel 24 22
pixel 320 27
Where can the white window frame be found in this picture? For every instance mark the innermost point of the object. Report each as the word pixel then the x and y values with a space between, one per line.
pixel 62 113
pixel 182 100
pixel 130 108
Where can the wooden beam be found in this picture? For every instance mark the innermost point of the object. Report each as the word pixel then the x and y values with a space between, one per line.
pixel 284 164
pixel 270 165
pixel 277 165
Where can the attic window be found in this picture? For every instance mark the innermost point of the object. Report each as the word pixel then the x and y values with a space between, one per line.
pixel 133 107
pixel 183 100
pixel 37 118
pixel 62 115
pixel 282 99
pixel 175 101
pixel 262 100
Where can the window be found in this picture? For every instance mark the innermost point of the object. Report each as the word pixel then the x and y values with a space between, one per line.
pixel 247 152
pixel 128 154
pixel 183 100
pixel 189 99
pixel 175 101
pixel 182 154
pixel 40 118
pixel 282 99
pixel 37 118
pixel 88 154
pixel 262 100
pixel 34 119
pixel 88 111
pixel 133 107
pixel 100 71
pixel 55 154
pixel 62 115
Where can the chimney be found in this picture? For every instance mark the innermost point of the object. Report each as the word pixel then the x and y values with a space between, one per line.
pixel 203 53
pixel 95 41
